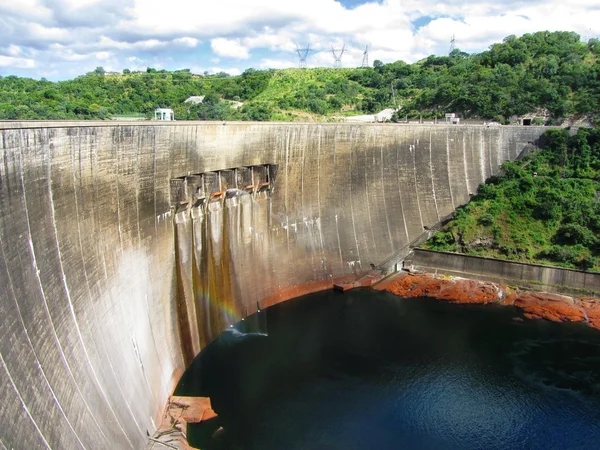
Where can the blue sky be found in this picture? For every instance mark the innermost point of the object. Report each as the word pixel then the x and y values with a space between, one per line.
pixel 61 39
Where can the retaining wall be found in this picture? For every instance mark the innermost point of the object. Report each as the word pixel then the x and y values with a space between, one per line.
pixel 533 276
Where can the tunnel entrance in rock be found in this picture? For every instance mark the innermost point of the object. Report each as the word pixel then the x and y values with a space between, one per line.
pixel 222 223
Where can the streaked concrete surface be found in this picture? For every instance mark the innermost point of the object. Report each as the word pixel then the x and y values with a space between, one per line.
pixel 110 285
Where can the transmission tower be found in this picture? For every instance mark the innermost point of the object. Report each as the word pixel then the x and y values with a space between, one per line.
pixel 365 61
pixel 303 55
pixel 452 44
pixel 337 56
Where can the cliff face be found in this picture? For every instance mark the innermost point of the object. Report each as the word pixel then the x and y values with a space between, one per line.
pixel 110 283
pixel 535 305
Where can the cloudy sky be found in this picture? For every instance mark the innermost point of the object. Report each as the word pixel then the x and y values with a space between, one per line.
pixel 60 39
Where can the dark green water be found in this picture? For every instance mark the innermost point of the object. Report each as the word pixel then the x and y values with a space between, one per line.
pixel 369 370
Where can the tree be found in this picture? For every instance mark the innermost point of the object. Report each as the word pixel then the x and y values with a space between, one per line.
pixel 551 71
pixel 258 112
pixel 458 53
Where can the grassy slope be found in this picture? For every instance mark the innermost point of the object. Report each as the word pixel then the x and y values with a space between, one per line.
pixel 288 85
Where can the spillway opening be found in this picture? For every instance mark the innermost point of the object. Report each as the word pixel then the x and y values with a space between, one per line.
pixel 222 219
pixel 195 188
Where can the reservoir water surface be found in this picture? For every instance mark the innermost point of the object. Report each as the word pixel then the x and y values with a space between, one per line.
pixel 369 370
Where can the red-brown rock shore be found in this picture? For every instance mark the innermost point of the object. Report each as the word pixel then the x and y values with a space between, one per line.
pixel 535 305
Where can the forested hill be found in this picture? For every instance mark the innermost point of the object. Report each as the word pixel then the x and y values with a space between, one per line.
pixel 552 74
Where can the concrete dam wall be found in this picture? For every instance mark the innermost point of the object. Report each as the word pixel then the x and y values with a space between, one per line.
pixel 124 249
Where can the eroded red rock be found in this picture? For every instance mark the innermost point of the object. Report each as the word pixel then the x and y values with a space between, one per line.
pixel 592 307
pixel 455 290
pixel 535 305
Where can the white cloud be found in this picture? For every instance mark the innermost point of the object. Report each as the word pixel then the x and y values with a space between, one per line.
pixel 48 33
pixel 62 53
pixel 147 44
pixel 103 56
pixel 106 42
pixel 13 50
pixel 264 33
pixel 21 63
pixel 282 40
pixel 224 16
pixel 476 33
pixel 229 48
pixel 80 4
pixel 69 55
pixel 187 41
pixel 30 9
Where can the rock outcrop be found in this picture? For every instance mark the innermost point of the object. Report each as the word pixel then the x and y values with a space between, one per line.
pixel 535 305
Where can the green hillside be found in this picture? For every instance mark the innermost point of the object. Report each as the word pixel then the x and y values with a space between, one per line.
pixel 544 208
pixel 553 75
pixel 319 91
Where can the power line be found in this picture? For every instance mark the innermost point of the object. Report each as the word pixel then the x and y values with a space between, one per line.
pixel 452 44
pixel 303 55
pixel 337 56
pixel 365 61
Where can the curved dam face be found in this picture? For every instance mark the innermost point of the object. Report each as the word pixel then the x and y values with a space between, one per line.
pixel 124 249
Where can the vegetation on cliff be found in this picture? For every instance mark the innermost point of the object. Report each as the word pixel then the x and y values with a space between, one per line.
pixel 544 208
pixel 551 72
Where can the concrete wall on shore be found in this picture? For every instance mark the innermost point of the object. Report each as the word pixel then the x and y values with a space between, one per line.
pixel 534 276
pixel 100 310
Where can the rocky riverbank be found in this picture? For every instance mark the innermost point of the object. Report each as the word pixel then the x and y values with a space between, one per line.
pixel 535 305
